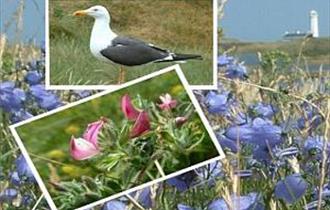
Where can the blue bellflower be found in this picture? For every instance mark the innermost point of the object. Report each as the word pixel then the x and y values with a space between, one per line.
pixel 209 172
pixel 24 170
pixel 224 60
pixel 184 207
pixel 11 98
pixel 183 181
pixel 14 178
pixel 247 202
pixel 8 195
pixel 260 132
pixel 45 99
pixel 33 77
pixel 236 71
pixel 251 201
pixel 144 197
pixel 227 144
pixel 20 116
pixel 114 205
pixel 291 188
pixel 218 103
pixel 263 110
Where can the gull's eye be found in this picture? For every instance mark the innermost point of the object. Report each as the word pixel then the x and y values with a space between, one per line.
pixel 95 10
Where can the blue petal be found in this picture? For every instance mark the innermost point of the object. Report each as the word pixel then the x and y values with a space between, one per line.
pixel 24 170
pixel 8 195
pixel 291 189
pixel 184 207
pixel 114 205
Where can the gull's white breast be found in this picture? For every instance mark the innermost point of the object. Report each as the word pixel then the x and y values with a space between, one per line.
pixel 101 38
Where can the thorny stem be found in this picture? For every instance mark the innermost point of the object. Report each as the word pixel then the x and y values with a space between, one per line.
pixel 324 156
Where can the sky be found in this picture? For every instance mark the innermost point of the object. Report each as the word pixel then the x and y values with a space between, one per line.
pixel 33 17
pixel 268 20
pixel 246 20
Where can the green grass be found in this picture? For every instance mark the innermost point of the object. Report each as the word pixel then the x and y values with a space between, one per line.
pixel 185 27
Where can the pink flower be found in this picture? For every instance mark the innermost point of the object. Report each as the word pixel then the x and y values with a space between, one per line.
pixel 167 102
pixel 80 149
pixel 87 147
pixel 141 125
pixel 128 109
pixel 93 130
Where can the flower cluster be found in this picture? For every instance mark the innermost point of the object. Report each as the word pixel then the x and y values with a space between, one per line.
pixel 22 96
pixel 20 179
pixel 286 146
pixel 232 68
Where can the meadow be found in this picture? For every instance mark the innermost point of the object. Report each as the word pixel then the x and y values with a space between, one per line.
pixel 186 27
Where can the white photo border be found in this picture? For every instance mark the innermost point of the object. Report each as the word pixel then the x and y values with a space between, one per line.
pixel 193 99
pixel 106 87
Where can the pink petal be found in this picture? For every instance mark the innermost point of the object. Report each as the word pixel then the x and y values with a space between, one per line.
pixel 80 149
pixel 141 125
pixel 167 102
pixel 128 109
pixel 93 130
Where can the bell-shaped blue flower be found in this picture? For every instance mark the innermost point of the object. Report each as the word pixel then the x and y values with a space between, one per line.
pixel 11 98
pixel 247 202
pixel 236 71
pixel 183 181
pixel 184 207
pixel 291 189
pixel 227 144
pixel 24 170
pixel 33 77
pixel 14 178
pixel 114 205
pixel 218 103
pixel 224 60
pixel 260 132
pixel 8 195
pixel 20 116
pixel 263 110
pixel 45 99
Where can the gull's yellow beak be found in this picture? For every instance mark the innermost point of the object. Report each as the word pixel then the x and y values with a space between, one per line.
pixel 80 13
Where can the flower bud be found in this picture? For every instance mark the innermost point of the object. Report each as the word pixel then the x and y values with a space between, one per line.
pixel 179 121
pixel 128 109
pixel 141 125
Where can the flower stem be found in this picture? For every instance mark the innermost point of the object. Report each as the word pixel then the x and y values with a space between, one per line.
pixel 160 169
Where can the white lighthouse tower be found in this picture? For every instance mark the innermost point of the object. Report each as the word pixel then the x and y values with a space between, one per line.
pixel 314 23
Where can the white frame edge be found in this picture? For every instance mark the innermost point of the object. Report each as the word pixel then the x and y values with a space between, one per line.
pixel 193 99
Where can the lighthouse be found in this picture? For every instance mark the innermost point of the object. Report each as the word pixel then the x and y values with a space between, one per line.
pixel 314 23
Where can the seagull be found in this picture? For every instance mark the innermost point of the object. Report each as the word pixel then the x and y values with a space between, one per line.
pixel 107 46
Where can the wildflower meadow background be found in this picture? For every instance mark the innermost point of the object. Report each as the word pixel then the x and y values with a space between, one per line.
pixel 272 121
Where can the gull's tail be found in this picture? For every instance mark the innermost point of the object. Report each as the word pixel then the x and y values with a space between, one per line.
pixel 181 57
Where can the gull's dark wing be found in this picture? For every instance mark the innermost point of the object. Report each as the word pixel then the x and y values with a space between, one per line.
pixel 131 52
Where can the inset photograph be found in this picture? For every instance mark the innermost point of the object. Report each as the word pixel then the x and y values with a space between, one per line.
pixel 112 42
pixel 115 140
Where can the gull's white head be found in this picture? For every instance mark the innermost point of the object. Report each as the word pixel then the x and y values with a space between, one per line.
pixel 97 12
